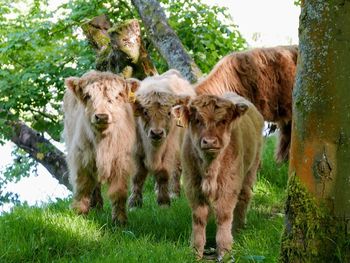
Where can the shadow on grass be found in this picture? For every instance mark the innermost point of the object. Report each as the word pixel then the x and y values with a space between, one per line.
pixel 56 234
pixel 29 234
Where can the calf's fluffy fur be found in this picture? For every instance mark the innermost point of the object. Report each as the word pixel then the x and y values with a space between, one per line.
pixel 158 137
pixel 220 157
pixel 266 77
pixel 99 132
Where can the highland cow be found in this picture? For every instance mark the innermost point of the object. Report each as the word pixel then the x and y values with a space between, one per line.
pixel 99 131
pixel 266 77
pixel 220 157
pixel 158 136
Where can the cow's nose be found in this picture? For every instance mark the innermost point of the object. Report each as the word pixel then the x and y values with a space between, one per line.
pixel 157 133
pixel 101 118
pixel 209 142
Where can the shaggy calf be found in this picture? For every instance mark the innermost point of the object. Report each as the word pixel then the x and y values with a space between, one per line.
pixel 158 137
pixel 220 157
pixel 266 77
pixel 99 133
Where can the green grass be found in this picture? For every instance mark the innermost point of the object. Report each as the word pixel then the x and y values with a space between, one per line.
pixel 153 234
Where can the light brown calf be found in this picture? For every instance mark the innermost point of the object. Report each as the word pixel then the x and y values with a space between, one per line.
pixel 158 137
pixel 99 131
pixel 266 77
pixel 220 157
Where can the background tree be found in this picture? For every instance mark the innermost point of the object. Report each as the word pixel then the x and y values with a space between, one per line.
pixel 40 47
pixel 318 203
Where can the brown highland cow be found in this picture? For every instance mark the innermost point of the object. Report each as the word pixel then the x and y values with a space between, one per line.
pixel 99 131
pixel 266 77
pixel 158 137
pixel 220 157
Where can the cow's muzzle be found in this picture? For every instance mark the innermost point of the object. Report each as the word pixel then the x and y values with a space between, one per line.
pixel 210 144
pixel 157 135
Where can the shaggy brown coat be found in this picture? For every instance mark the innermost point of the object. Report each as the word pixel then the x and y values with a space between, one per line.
pixel 220 157
pixel 266 77
pixel 99 131
pixel 158 137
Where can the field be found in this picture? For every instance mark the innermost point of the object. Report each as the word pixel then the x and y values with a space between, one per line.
pixel 55 234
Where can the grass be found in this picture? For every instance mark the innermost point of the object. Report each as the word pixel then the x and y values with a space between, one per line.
pixel 153 234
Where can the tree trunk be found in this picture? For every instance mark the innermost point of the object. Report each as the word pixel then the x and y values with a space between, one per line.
pixel 119 48
pixel 165 39
pixel 318 203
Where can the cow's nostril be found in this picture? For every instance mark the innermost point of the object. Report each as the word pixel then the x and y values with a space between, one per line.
pixel 156 133
pixel 101 118
pixel 209 142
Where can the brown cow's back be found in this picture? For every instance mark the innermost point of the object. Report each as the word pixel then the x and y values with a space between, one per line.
pixel 265 76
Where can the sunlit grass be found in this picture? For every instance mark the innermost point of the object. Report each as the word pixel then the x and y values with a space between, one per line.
pixel 153 234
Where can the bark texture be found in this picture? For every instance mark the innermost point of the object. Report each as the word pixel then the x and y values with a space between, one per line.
pixel 165 39
pixel 42 150
pixel 318 203
pixel 119 48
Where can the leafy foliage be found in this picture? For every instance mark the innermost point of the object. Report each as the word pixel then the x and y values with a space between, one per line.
pixel 22 166
pixel 207 32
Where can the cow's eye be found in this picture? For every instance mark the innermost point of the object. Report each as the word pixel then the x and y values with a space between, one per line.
pixel 145 113
pixel 86 97
pixel 109 101
pixel 223 122
pixel 169 113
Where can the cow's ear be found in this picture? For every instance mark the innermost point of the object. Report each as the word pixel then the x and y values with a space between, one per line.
pixel 241 108
pixel 137 108
pixel 73 83
pixel 182 100
pixel 132 86
pixel 181 115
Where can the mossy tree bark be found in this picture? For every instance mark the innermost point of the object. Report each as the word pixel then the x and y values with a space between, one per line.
pixel 318 203
pixel 165 39
pixel 119 48
pixel 41 150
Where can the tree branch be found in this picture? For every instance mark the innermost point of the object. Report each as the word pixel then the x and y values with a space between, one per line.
pixel 42 150
pixel 165 39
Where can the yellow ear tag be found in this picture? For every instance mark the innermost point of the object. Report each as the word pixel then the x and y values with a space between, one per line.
pixel 179 122
pixel 132 97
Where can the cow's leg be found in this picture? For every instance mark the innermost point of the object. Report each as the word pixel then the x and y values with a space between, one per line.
pixel 199 222
pixel 96 197
pixel 84 186
pixel 175 180
pixel 224 215
pixel 118 192
pixel 282 151
pixel 245 196
pixel 138 182
pixel 162 179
